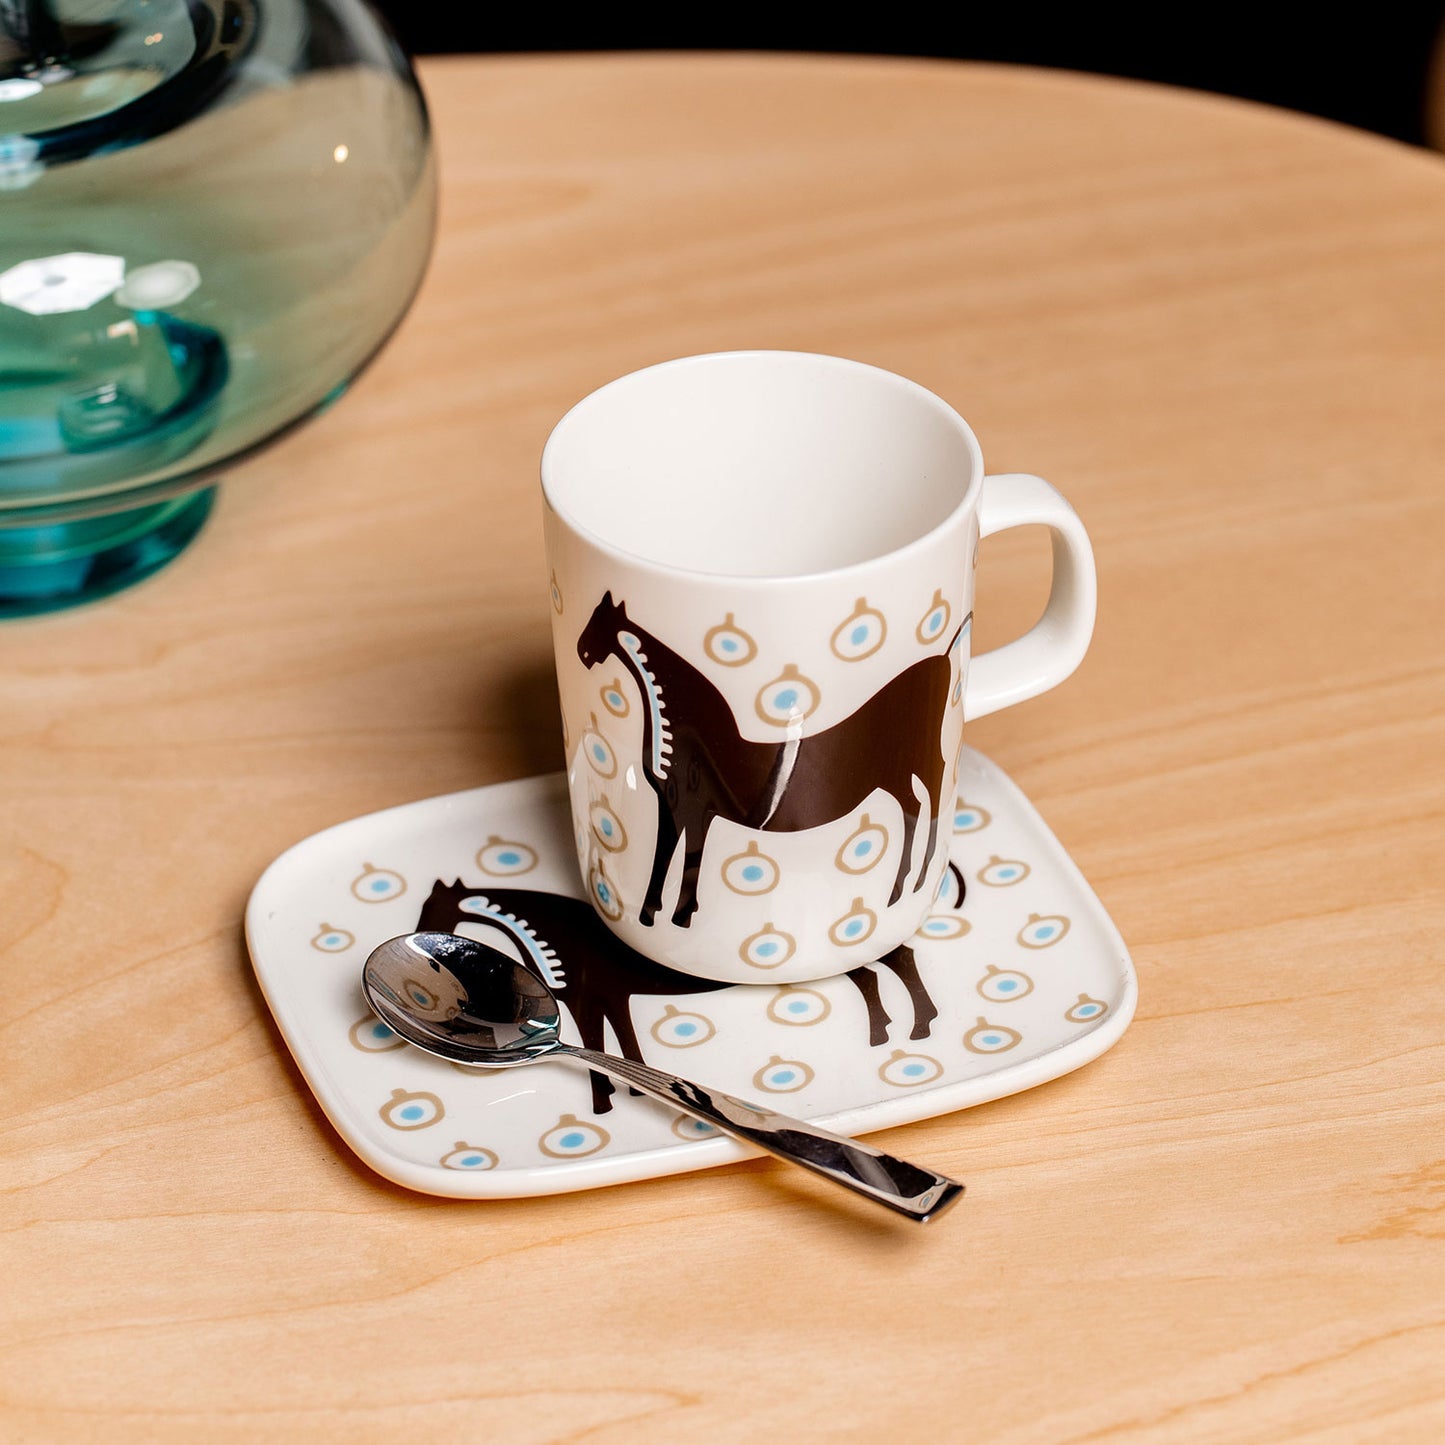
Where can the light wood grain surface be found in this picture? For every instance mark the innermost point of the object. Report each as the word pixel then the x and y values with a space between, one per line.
pixel 1220 330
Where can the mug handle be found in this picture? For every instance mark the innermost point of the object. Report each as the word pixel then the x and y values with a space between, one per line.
pixel 1055 645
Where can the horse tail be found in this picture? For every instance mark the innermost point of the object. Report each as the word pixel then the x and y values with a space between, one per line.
pixel 960 888
pixel 957 633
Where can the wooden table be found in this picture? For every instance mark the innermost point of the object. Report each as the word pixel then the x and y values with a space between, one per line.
pixel 1219 329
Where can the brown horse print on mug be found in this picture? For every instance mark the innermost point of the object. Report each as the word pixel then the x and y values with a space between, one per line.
pixel 701 768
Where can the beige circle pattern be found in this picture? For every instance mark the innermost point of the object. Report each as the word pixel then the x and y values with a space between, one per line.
pixel 860 634
pixel 750 872
pixel 855 926
pixel 769 947
pixel 728 644
pixel 788 698
pixel 863 847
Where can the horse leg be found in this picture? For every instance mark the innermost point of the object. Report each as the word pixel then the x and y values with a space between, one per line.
pixel 590 1018
pixel 934 788
pixel 903 964
pixel 662 853
pixel 691 866
pixel 866 982
pixel 910 825
pixel 928 851
pixel 621 1022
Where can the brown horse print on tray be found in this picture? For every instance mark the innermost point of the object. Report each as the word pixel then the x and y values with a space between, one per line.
pixel 701 768
pixel 597 976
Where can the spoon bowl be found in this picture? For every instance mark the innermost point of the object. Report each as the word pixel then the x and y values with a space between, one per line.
pixel 462 1000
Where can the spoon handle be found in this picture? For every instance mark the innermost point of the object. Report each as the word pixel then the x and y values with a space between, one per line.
pixel 920 1194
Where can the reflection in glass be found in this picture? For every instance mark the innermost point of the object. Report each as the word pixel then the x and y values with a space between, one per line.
pixel 212 213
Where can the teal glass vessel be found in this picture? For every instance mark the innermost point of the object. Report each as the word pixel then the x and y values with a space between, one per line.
pixel 212 215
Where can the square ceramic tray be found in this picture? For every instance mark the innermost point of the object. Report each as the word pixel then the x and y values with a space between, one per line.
pixel 1021 977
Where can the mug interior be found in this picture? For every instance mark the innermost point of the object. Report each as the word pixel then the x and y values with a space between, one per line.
pixel 760 464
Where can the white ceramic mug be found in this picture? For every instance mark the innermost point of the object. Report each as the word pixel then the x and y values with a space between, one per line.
pixel 762 568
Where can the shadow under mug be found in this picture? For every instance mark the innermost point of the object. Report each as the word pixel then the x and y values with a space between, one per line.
pixel 762 576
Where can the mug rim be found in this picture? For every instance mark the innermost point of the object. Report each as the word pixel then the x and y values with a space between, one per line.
pixel 966 504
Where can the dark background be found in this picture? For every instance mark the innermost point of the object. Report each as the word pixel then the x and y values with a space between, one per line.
pixel 1364 64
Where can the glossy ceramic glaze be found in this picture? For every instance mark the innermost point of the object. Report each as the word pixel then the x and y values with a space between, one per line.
pixel 762 579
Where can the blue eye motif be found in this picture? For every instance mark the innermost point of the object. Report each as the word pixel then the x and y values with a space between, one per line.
pixel 787 699
pixel 799 1006
pixel 750 872
pixel 908 1071
pixel 863 848
pixel 679 1030
pixel 855 926
pixel 967 818
pixel 931 624
pixel 604 892
pixel 1087 1010
pixel 686 1128
pixel 598 751
pixel 377 885
pixel 1043 930
pixel 411 1110
pixel 570 1138
pixel 943 926
pixel 606 826
pixel 1003 985
pixel 614 699
pixel 860 634
pixel 769 947
pixel 372 1036
pixel 783 1076
pixel 728 644
pixel 471 1157
pixel 504 857
pixel 987 1038
pixel 1003 872
pixel 332 940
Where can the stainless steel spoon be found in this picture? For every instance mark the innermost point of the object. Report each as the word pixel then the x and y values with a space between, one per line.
pixel 457 998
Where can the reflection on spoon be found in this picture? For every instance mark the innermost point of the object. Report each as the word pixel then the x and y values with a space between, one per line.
pixel 472 1004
